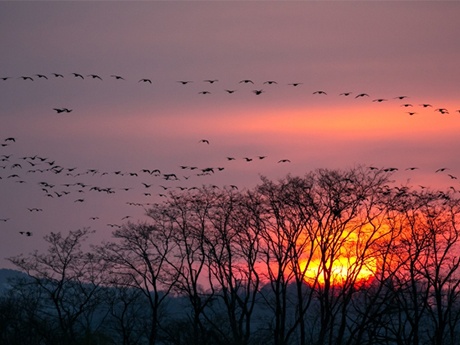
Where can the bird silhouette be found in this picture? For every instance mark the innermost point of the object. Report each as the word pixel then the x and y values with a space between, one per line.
pixel 270 82
pixel 26 78
pixel 62 110
pixel 170 176
pixel 345 94
pixel 118 77
pixel 442 110
pixel 362 95
pixel 204 92
pixel 205 141
pixel 258 92
pixel 94 76
pixel 211 81
pixel 58 75
pixel 441 170
pixel 319 93
pixel 41 76
pixel 184 82
pixel 78 75
pixel 145 80
pixel 284 161
pixel 246 81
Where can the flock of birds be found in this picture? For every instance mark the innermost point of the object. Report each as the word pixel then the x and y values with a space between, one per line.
pixel 146 184
pixel 77 185
pixel 206 91
pixel 42 174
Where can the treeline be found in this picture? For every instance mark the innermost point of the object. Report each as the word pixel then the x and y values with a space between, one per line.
pixel 334 257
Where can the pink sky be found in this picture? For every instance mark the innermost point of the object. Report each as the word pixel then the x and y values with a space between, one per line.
pixel 385 49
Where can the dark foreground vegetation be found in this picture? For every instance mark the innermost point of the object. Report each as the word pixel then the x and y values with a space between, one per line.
pixel 260 266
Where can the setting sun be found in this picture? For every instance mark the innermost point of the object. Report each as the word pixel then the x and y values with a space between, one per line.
pixel 341 270
pixel 346 261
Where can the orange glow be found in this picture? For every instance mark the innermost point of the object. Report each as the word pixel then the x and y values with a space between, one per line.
pixel 343 269
pixel 351 263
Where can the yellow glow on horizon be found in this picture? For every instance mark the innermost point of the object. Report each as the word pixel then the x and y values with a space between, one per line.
pixel 342 269
pixel 351 263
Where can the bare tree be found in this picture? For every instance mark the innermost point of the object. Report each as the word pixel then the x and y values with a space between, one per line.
pixel 441 265
pixel 323 230
pixel 139 260
pixel 428 270
pixel 232 242
pixel 128 315
pixel 67 281
pixel 373 306
pixel 188 217
pixel 284 243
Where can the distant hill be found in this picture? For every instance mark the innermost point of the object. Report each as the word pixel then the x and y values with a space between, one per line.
pixel 6 275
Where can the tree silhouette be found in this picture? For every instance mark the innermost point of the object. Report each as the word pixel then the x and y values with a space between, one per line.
pixel 315 225
pixel 334 257
pixel 139 261
pixel 66 282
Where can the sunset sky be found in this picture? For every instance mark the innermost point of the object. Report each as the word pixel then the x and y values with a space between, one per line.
pixel 383 49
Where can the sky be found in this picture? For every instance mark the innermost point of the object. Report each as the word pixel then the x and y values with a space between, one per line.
pixel 79 168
